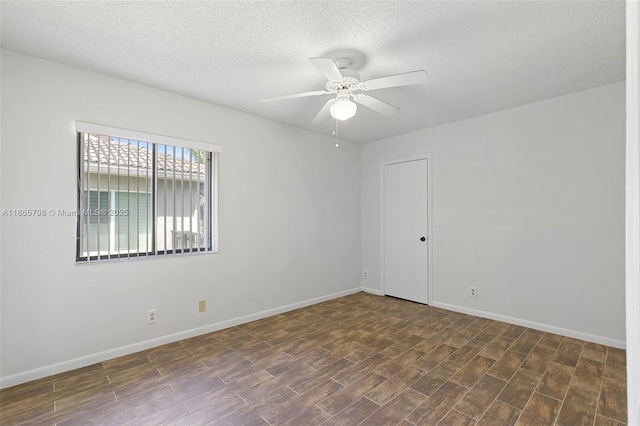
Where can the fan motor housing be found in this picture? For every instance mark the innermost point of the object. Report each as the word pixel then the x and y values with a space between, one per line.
pixel 351 81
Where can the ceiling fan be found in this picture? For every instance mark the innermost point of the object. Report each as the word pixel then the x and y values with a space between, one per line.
pixel 343 82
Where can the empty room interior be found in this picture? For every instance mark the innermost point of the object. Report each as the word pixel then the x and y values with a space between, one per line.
pixel 265 213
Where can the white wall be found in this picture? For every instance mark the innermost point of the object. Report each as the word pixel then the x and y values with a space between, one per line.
pixel 531 202
pixel 531 205
pixel 289 223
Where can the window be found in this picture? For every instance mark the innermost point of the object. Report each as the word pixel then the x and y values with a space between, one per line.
pixel 112 231
pixel 142 195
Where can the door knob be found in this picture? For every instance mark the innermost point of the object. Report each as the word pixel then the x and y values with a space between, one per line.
pixel 422 239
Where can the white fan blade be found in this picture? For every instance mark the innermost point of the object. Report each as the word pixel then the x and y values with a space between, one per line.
pixel 413 77
pixel 375 104
pixel 296 95
pixel 328 68
pixel 324 113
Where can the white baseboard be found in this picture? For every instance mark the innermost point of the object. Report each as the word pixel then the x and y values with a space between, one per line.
pixel 372 291
pixel 534 325
pixel 38 373
pixel 48 370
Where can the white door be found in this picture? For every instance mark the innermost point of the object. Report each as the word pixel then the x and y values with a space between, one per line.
pixel 405 230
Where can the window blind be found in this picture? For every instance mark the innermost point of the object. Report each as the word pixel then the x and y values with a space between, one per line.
pixel 141 199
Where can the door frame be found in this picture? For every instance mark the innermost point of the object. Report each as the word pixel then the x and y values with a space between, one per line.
pixel 417 157
pixel 632 232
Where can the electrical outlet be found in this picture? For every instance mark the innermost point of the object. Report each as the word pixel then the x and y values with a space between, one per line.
pixel 365 274
pixel 202 306
pixel 473 292
pixel 151 316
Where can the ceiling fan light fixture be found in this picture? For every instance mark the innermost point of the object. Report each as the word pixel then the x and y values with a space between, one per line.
pixel 344 81
pixel 343 109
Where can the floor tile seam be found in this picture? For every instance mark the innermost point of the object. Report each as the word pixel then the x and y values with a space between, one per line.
pixel 606 360
pixel 607 417
pixel 488 373
pixel 495 398
pixel 264 420
pixel 4 416
pixel 573 382
pixel 535 371
pixel 240 396
pixel 453 405
pixel 369 399
pixel 529 400
pixel 523 353
pixel 159 372
pixel 599 392
pixel 159 411
pixel 186 345
pixel 364 372
pixel 70 411
pixel 545 394
pixel 586 388
pixel 82 378
pixel 293 390
pixel 72 391
pixel 555 353
pixel 362 423
pixel 120 402
pixel 591 359
pixel 457 411
pixel 418 406
pixel 564 399
pixel 324 411
pixel 106 392
pixel 175 420
pixel 464 385
pixel 520 366
pixel 184 402
pixel 506 403
pixel 15 399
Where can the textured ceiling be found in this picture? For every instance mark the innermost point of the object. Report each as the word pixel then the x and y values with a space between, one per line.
pixel 480 57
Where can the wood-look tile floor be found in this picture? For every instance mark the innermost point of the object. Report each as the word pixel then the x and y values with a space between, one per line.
pixel 360 359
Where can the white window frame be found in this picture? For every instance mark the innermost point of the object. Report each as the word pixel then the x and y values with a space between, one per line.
pixel 92 128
